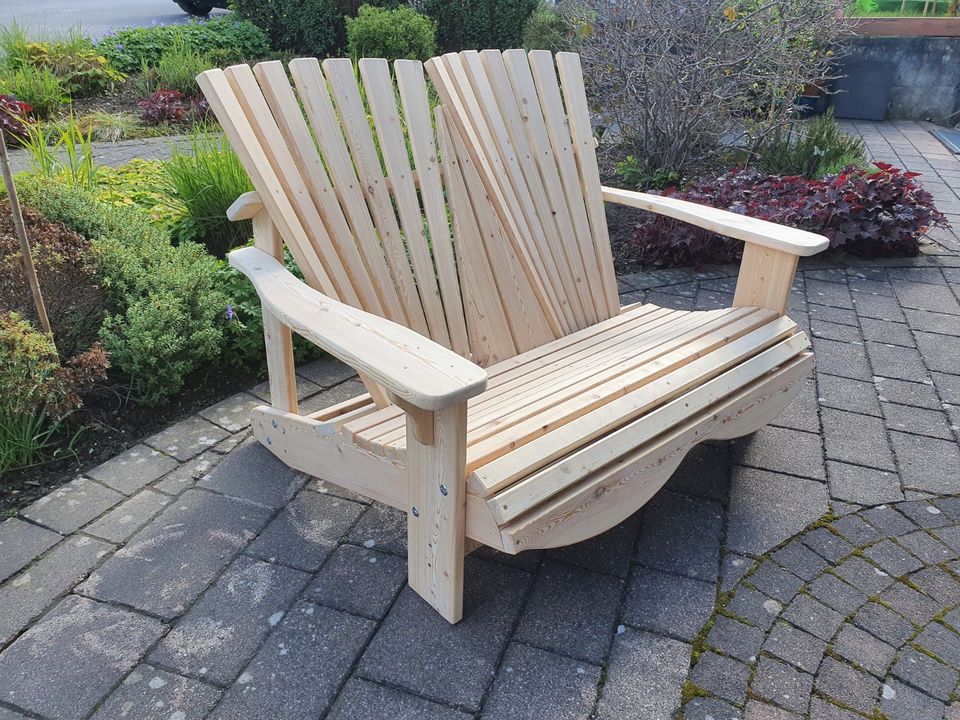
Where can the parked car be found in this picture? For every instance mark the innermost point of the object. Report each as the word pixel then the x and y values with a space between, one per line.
pixel 200 8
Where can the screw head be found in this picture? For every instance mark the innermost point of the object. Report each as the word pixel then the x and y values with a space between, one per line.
pixel 443 489
pixel 274 423
pixel 414 511
pixel 269 440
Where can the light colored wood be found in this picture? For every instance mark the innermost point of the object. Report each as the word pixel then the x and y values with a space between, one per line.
pixel 409 365
pixel 245 206
pixel 418 420
pixel 765 279
pixel 724 222
pixel 436 519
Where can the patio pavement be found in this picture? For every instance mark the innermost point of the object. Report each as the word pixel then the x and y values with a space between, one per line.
pixel 808 571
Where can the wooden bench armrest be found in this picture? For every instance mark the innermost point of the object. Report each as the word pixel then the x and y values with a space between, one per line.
pixel 245 206
pixel 724 222
pixel 412 367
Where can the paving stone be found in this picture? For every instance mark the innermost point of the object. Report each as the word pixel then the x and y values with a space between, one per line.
pixel 925 513
pixel 845 394
pixel 888 521
pixel 916 394
pixel 937 584
pixel 901 702
pixel 892 558
pixel 153 694
pixel 796 646
pixel 855 529
pixel 28 594
pixel 251 472
pixel 299 667
pixel 232 414
pixel 705 708
pixel 924 296
pixel 950 536
pixel 305 533
pixel 705 471
pixel 934 322
pixel 838 316
pixel 662 662
pixel 821 328
pixel 932 423
pixel 224 629
pixel 863 649
pixel 128 517
pixel 170 562
pixel 72 506
pixel 608 552
pixel 856 439
pixel 187 438
pixel 232 442
pixel 326 372
pixel 382 527
pixel 765 449
pixel 732 568
pixel 914 606
pixel 305 388
pixel 756 710
pixel 853 688
pixel 842 358
pixel 948 385
pixel 332 396
pixel 668 604
pixel 800 560
pixel 831 294
pixel 65 664
pixel 735 639
pixel 681 534
pixel 942 642
pixel 536 683
pixel 6 714
pixel 362 700
pixel 776 582
pixel 722 676
pixel 925 673
pixel 826 544
pixel 926 547
pixel 133 469
pixel 359 581
pixel 884 331
pixel 834 592
pixel 803 412
pixel 187 475
pixel 767 508
pixel 328 488
pixel 418 650
pixel 823 710
pixel 865 486
pixel 884 624
pixel 813 616
pixel 556 617
pixel 878 306
pixel 863 575
pixel 754 607
pixel 895 362
pixel 781 684
pixel 940 352
pixel 20 543
pixel 927 464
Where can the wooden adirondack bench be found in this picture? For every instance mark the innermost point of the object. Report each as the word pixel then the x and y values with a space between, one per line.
pixel 462 255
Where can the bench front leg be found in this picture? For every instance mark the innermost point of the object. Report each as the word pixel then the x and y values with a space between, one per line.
pixel 765 279
pixel 436 518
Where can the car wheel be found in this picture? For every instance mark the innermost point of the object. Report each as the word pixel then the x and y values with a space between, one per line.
pixel 199 9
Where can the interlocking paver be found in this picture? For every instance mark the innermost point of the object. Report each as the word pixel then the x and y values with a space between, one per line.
pixel 800 560
pixel 902 702
pixel 914 606
pixel 232 414
pixel 862 485
pixel 20 543
pixel 932 423
pixel 128 517
pixel 735 639
pixel 363 700
pixel 251 472
pixel 845 394
pixel 927 464
pixel 796 646
pixel 187 438
pixel 856 439
pixel 754 607
pixel 133 469
pixel 942 642
pixel 608 552
pixel 917 393
pixel 826 544
pixel 863 649
pixel 72 506
pixel 893 558
pixel 925 673
pixel 855 529
pixel 854 688
pixel 764 449
pixel 722 676
pixel 811 615
pixel 359 581
pixel 835 593
pixel 781 684
pixel 690 605
pixel 883 623
pixel 708 708
pixel 770 579
pixel 863 575
pixel 681 534
pixel 158 695
pixel 186 475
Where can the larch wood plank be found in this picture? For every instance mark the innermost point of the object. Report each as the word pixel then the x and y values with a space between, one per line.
pixel 765 279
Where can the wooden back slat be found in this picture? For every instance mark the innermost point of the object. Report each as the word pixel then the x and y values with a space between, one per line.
pixel 416 109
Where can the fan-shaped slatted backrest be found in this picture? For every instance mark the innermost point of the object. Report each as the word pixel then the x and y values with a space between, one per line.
pixel 386 206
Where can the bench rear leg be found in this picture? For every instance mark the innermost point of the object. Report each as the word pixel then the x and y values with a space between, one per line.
pixel 436 518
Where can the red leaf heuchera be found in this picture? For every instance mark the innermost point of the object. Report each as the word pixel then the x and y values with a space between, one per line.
pixel 14 117
pixel 881 212
pixel 171 106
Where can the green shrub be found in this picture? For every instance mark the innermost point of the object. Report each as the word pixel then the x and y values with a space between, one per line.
pixel 232 40
pixel 166 315
pixel 478 24
pixel 548 28
pixel 80 68
pixel 635 175
pixel 300 26
pixel 142 184
pixel 812 149
pixel 179 66
pixel 205 179
pixel 38 87
pixel 391 34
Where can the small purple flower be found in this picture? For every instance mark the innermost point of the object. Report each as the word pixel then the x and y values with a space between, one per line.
pixel 229 311
pixel 120 46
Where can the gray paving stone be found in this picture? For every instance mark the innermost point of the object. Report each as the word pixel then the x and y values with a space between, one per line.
pixel 608 552
pixel 363 700
pixel 754 607
pixel 536 683
pixel 767 508
pixel 332 396
pixel 926 547
pixel 916 394
pixel 65 664
pixel 305 533
pixel 20 543
pixel 948 385
pixel 232 414
pixel 878 306
pixel 800 560
pixel 925 513
pixel 776 582
pixel 251 472
pixel 838 316
pixel 842 358
pixel 888 521
pixel 668 604
pixel 884 331
pixel 766 449
pixel 901 702
pixel 835 593
pixel 934 322
pixel 418 650
pixel 863 575
pixel 864 650
pixel 722 676
pixel 942 642
pixel 72 506
pixel 865 486
pixel 813 616
pixel 556 618
pixel 883 623
pixel 220 634
pixel 187 475
pixel 855 529
pixel 128 517
pixel 6 714
pixel 856 439
pixel 299 667
pixel 914 606
pixel 305 389
pixel 662 662
pixel 925 673
pixel 940 352
pixel 756 710
pixel 846 394
pixel 705 472
pixel 681 534
pixel 821 328
pixel 802 413
pixel 187 438
pixel 170 562
pixel 28 594
pixel 732 568
pixel 781 684
pixel 359 581
pixel 896 362
pixel 831 294
pixel 923 296
pixel 932 423
pixel 927 464
pixel 796 646
pixel 938 584
pixel 328 488
pixel 382 527
pixel 705 708
pixel 151 694
pixel 826 544
pixel 133 469
pixel 893 558
pixel 853 688
pixel 326 372
pixel 735 639
pixel 950 536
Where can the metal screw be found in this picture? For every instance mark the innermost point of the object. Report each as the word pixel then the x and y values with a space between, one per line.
pixel 274 423
pixel 443 489
pixel 269 440
pixel 416 513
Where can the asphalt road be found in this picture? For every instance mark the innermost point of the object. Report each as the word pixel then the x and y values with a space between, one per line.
pixel 94 17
